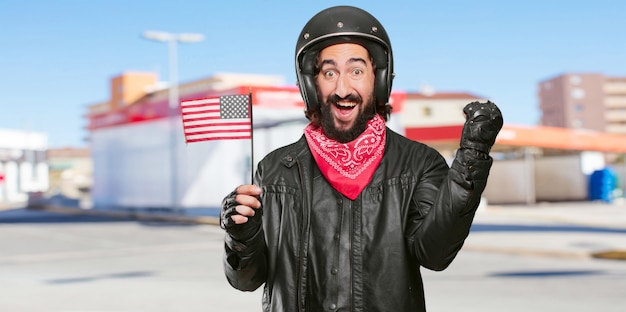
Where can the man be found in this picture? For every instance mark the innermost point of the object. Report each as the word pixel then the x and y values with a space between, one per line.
pixel 343 219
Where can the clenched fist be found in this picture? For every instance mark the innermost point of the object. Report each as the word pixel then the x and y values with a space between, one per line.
pixel 483 121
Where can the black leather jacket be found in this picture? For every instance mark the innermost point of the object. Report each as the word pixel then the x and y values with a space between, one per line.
pixel 319 251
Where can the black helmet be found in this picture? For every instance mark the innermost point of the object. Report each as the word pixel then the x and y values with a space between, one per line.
pixel 338 25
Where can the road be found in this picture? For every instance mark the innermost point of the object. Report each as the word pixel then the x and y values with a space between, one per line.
pixel 52 262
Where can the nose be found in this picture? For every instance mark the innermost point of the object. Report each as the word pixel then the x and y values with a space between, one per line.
pixel 343 87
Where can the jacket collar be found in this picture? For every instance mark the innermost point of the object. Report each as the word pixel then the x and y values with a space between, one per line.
pixel 295 151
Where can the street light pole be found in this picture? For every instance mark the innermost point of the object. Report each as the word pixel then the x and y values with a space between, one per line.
pixel 172 41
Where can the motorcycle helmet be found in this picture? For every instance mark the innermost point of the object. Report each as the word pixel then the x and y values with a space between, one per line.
pixel 343 24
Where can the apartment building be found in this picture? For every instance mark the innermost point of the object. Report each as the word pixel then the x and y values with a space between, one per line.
pixel 584 101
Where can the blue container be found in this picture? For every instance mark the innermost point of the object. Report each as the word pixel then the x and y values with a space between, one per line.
pixel 601 185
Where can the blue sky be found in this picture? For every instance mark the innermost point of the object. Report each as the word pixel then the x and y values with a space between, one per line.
pixel 57 56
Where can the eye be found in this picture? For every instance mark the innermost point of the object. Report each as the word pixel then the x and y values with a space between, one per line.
pixel 330 74
pixel 357 73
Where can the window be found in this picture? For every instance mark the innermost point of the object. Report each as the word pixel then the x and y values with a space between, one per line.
pixel 578 93
pixel 579 107
pixel 426 111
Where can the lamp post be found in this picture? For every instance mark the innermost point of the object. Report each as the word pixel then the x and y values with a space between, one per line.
pixel 172 41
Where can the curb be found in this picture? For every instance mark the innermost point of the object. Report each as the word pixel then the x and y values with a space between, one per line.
pixel 129 215
pixel 607 254
pixel 529 252
pixel 554 216
pixel 610 255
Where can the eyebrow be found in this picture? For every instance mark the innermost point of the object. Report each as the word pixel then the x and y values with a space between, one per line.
pixel 350 61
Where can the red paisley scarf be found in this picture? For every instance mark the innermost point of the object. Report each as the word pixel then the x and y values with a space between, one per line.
pixel 348 167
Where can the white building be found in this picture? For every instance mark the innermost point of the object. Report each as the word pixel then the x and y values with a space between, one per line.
pixel 23 166
pixel 139 164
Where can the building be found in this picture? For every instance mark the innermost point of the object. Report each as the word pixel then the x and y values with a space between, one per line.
pixel 140 159
pixel 131 141
pixel 436 109
pixel 426 116
pixel 584 101
pixel 533 163
pixel 70 171
pixel 23 165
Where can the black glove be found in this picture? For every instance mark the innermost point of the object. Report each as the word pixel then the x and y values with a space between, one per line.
pixel 240 232
pixel 483 121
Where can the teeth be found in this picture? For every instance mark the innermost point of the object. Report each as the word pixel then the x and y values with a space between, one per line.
pixel 346 105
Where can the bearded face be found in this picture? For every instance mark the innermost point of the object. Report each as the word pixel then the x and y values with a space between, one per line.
pixel 345 83
pixel 341 132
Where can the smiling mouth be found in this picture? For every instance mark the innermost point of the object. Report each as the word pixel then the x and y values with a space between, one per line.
pixel 345 106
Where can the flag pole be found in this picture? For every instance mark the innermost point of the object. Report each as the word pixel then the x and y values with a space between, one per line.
pixel 251 136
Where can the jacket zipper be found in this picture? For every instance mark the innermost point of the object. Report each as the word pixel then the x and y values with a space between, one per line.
pixel 302 237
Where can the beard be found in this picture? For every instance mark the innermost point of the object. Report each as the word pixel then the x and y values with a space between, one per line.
pixel 360 124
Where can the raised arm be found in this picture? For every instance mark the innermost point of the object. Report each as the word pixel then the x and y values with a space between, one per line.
pixel 437 232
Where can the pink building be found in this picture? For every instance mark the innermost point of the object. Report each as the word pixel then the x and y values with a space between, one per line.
pixel 584 101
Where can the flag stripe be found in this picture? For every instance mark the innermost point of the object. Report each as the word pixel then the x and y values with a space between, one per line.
pixel 200 110
pixel 217 135
pixel 217 138
pixel 233 131
pixel 202 116
pixel 217 118
pixel 201 102
pixel 213 122
pixel 224 128
pixel 217 128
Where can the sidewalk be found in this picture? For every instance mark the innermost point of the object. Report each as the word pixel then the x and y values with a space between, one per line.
pixel 593 214
pixel 566 229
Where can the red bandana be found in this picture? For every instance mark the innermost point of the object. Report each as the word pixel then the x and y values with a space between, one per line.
pixel 348 167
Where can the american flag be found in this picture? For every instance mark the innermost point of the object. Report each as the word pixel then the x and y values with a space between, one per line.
pixel 224 117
